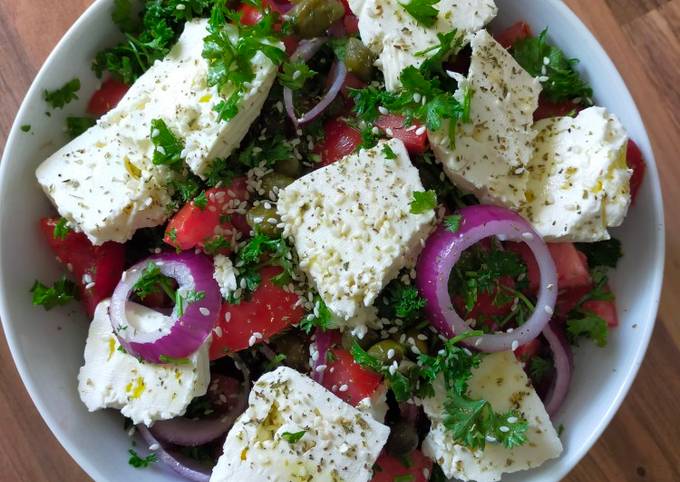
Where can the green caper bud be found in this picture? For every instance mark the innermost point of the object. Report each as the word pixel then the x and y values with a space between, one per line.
pixel 387 351
pixel 311 18
pixel 264 220
pixel 294 346
pixel 274 182
pixel 359 59
pixel 369 339
pixel 289 167
pixel 403 439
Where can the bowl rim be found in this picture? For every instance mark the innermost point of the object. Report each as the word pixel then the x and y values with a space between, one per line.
pixel 577 453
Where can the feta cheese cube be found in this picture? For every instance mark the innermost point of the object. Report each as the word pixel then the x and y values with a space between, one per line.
pixel 501 381
pixel 144 392
pixel 375 405
pixel 396 37
pixel 579 182
pixel 104 182
pixel 352 225
pixel 339 442
pixel 491 153
pixel 225 275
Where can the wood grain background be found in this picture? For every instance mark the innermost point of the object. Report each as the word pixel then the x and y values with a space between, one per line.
pixel 643 39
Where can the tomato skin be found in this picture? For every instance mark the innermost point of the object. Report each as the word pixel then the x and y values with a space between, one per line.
pixel 340 140
pixel 415 143
pixel 605 309
pixel 250 15
pixel 547 108
pixel 392 468
pixel 637 163
pixel 529 350
pixel 107 97
pixel 514 33
pixel 103 264
pixel 192 226
pixel 269 310
pixel 361 383
pixel 572 266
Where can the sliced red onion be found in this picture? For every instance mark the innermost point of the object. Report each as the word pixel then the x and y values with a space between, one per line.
pixel 323 340
pixel 563 359
pixel 338 74
pixel 183 465
pixel 179 335
pixel 442 252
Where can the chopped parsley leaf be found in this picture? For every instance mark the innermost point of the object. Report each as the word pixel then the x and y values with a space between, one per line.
pixel 539 368
pixel 556 72
pixel 216 244
pixel 122 15
pixel 452 222
pixel 293 437
pixel 388 152
pixel 221 171
pixel 423 11
pixel 141 462
pixel 167 146
pixel 26 127
pixel 174 361
pixel 58 98
pixel 60 293
pixel 151 281
pixel 61 229
pixel 294 75
pixel 402 301
pixel 589 325
pixel 275 362
pixel 449 44
pixel 423 202
pixel 201 201
pixel 322 320
pixel 270 151
pixel 77 125
pixel 172 234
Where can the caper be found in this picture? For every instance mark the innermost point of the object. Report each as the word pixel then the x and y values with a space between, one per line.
pixel 311 18
pixel 403 439
pixel 274 182
pixel 359 59
pixel 264 220
pixel 387 351
pixel 289 167
pixel 293 345
pixel 369 339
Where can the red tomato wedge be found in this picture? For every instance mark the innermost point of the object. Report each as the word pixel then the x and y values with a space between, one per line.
pixel 269 310
pixel 389 469
pixel 107 97
pixel 340 140
pixel 343 371
pixel 529 350
pixel 96 269
pixel 414 137
pixel 605 309
pixel 193 226
pixel 637 163
pixel 512 34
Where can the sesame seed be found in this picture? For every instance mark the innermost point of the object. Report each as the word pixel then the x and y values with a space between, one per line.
pixel 390 353
pixel 389 132
pixel 527 236
pixel 548 310
pixel 490 439
pixel 343 388
pixel 512 420
pixel 503 429
pixel 204 311
pixel 515 345
pixel 383 110
pixel 154 446
pixel 321 368
pixel 421 130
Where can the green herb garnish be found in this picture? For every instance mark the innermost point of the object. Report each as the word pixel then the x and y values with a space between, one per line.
pixel 293 437
pixel 294 75
pixel 452 222
pixel 423 11
pixel 58 98
pixel 423 202
pixel 60 293
pixel 167 146
pixel 141 462
pixel 77 125
pixel 61 229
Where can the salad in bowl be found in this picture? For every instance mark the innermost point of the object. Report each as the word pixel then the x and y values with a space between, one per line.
pixel 336 241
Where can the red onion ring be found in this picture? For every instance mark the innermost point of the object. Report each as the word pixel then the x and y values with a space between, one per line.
pixel 323 340
pixel 563 359
pixel 338 74
pixel 187 332
pixel 178 462
pixel 441 253
pixel 189 432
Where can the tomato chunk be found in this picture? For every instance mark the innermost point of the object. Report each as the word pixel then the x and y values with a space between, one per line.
pixel 529 350
pixel 96 269
pixel 514 33
pixel 340 140
pixel 269 310
pixel 194 226
pixel 547 108
pixel 571 264
pixel 361 383
pixel 605 309
pixel 389 469
pixel 107 97
pixel 637 163
pixel 414 138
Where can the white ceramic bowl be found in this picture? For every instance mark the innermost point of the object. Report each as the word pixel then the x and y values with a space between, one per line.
pixel 48 347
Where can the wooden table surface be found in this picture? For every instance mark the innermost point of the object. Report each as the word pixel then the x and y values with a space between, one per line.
pixel 642 37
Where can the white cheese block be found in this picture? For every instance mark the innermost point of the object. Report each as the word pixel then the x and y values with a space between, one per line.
pixel 340 443
pixel 579 181
pixel 375 405
pixel 225 275
pixel 352 227
pixel 396 37
pixel 104 182
pixel 144 392
pixel 501 381
pixel 491 152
